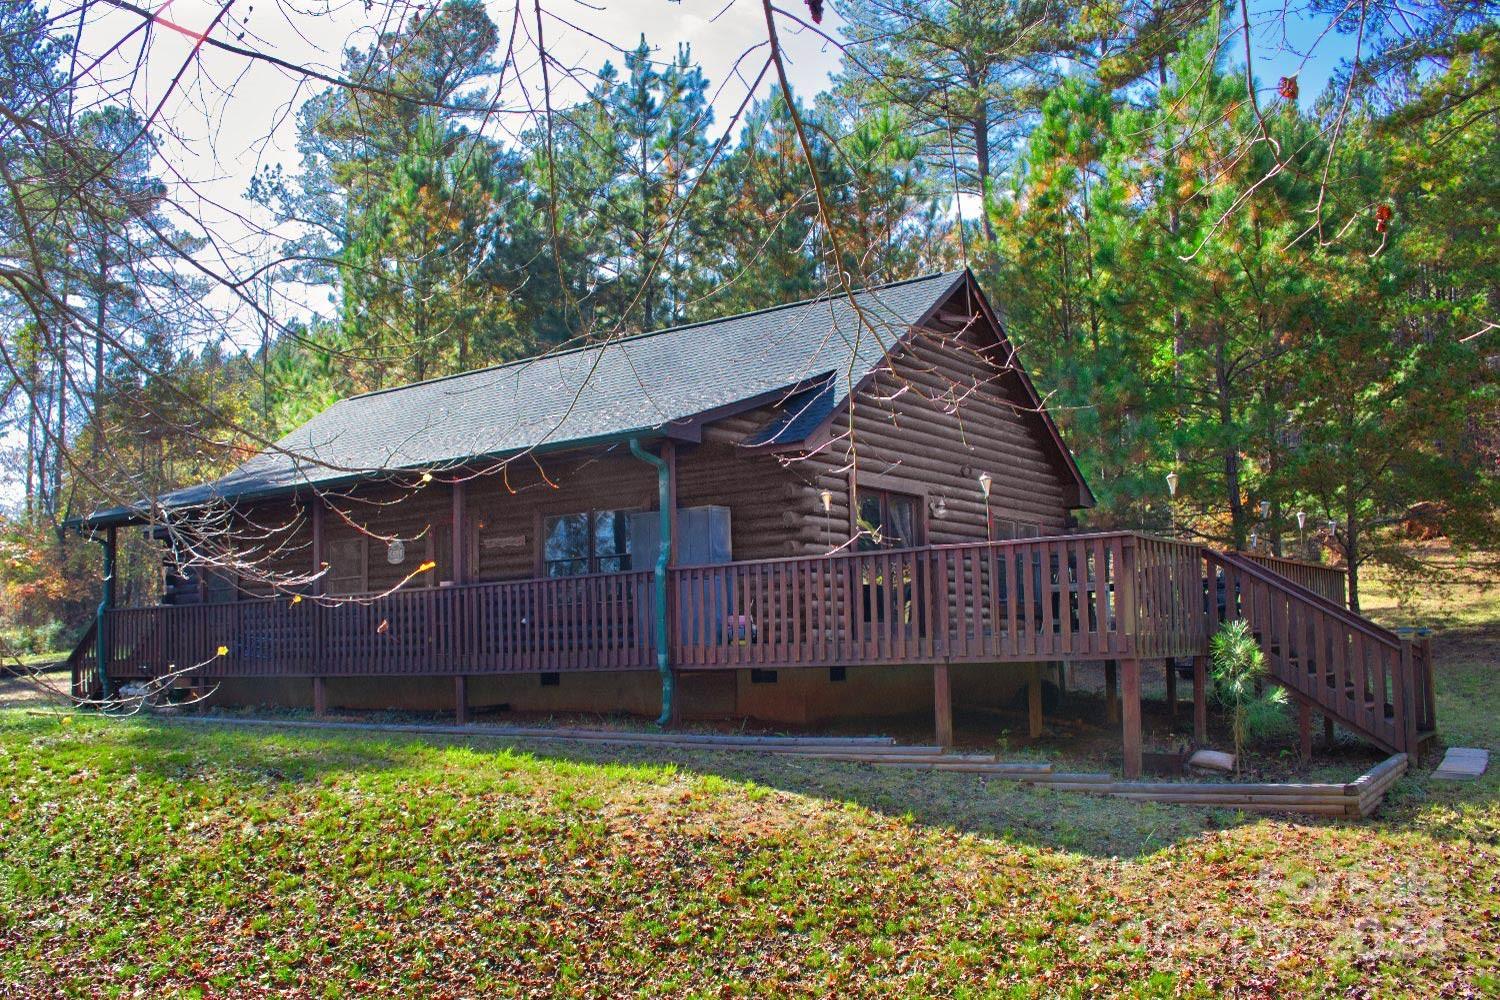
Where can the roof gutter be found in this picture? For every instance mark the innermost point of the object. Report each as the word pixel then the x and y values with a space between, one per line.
pixel 659 576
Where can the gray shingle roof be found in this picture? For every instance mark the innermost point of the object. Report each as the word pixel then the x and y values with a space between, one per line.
pixel 632 385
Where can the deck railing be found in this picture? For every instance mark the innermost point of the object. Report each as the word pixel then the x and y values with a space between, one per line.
pixel 1097 596
pixel 1327 581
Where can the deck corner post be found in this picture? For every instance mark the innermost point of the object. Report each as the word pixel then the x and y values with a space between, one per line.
pixel 1131 717
pixel 320 697
pixel 1405 692
pixel 1200 699
pixel 942 702
pixel 460 699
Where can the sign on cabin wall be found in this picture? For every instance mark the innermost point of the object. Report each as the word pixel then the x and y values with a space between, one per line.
pixel 503 542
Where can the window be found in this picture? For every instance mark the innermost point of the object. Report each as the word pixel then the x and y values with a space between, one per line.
pixel 887 520
pixel 595 541
pixel 346 566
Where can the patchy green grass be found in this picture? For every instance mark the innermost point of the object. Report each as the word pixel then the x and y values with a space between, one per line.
pixel 162 858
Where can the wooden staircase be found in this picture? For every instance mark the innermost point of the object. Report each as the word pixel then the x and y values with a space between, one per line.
pixel 83 664
pixel 1369 679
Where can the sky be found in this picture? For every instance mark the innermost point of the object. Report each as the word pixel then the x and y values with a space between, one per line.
pixel 229 116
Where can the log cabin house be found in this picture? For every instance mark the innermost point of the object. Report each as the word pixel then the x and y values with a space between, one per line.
pixel 847 506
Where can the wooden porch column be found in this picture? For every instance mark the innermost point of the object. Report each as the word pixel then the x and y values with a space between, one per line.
pixel 315 654
pixel 1034 701
pixel 1111 692
pixel 669 455
pixel 317 543
pixel 1131 718
pixel 459 534
pixel 1171 688
pixel 1200 699
pixel 461 700
pixel 942 702
pixel 1304 729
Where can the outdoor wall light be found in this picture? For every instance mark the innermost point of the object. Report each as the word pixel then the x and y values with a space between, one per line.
pixel 985 480
pixel 827 497
pixel 939 506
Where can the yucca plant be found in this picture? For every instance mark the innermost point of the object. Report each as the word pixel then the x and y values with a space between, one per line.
pixel 1239 666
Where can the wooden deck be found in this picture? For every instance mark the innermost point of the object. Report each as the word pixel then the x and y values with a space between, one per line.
pixel 1116 596
pixel 1075 597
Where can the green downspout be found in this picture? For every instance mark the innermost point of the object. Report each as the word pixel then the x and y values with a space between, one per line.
pixel 101 616
pixel 663 557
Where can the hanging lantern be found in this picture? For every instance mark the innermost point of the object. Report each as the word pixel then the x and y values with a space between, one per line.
pixel 827 497
pixel 1301 519
pixel 1172 483
pixel 985 481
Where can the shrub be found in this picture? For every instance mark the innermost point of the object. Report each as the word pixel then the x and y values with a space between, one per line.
pixel 1239 676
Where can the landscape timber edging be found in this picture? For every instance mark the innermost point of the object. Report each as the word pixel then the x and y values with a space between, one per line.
pixel 1360 797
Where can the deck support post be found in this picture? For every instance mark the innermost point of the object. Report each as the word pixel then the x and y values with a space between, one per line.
pixel 1131 718
pixel 1034 701
pixel 942 703
pixel 1171 688
pixel 320 696
pixel 1304 729
pixel 1062 677
pixel 1111 692
pixel 461 700
pixel 1200 700
pixel 1328 734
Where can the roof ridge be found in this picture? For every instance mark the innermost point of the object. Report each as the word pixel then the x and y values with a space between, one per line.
pixel 827 297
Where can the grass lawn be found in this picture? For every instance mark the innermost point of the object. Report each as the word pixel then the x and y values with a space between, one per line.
pixel 165 859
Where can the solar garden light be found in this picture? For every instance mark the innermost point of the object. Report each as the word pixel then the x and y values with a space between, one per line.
pixel 827 498
pixel 1265 509
pixel 1301 523
pixel 1172 481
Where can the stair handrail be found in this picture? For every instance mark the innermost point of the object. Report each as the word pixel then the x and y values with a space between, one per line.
pixel 1351 618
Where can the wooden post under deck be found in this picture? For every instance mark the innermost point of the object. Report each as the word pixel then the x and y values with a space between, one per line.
pixel 1200 699
pixel 942 703
pixel 1131 718
pixel 1034 701
pixel 1111 692
pixel 1304 729
pixel 1171 688
pixel 1328 734
pixel 320 696
pixel 461 700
